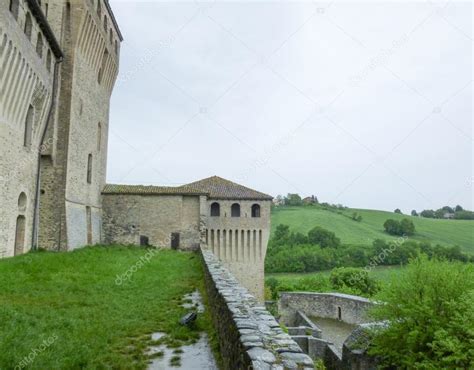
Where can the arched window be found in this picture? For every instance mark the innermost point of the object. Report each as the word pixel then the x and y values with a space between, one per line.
pixel 30 115
pixel 116 47
pixel 89 169
pixel 28 26
pixel 20 235
pixel 14 7
pixel 255 210
pixel 39 45
pixel 111 37
pixel 22 202
pixel 235 210
pixel 105 23
pixel 99 9
pixel 215 209
pixel 48 60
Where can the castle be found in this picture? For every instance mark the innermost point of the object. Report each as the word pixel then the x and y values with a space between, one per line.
pixel 59 60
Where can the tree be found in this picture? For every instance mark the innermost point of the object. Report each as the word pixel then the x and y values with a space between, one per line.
pixel 458 208
pixel 392 227
pixel 407 227
pixel 322 237
pixel 428 213
pixel 414 213
pixel 355 278
pixel 430 317
pixel 398 211
pixel 282 234
pixel 293 200
pixel 400 228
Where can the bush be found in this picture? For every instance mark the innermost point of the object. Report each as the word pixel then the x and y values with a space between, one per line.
pixel 323 238
pixel 272 283
pixel 400 228
pixel 354 278
pixel 429 308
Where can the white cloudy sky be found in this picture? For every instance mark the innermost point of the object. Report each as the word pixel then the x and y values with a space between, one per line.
pixel 368 104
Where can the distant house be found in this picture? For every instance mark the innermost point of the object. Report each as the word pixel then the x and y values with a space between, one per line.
pixel 310 200
pixel 278 201
pixel 448 216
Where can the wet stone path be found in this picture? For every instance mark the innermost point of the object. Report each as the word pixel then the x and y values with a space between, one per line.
pixel 195 356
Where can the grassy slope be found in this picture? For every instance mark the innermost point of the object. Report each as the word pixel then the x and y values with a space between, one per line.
pixel 445 232
pixel 98 324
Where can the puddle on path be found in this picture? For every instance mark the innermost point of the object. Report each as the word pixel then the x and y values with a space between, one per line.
pixel 195 356
pixel 334 330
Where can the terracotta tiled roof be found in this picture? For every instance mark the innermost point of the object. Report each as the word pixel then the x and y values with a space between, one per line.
pixel 214 187
pixel 219 188
pixel 146 189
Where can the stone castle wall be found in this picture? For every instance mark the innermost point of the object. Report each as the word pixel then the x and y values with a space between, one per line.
pixel 344 307
pixel 127 217
pixel 241 242
pixel 249 336
pixel 26 84
pixel 91 45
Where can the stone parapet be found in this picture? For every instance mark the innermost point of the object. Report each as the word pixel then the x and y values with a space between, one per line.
pixel 249 336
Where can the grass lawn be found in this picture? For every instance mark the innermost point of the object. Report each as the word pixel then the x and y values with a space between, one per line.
pixel 444 232
pixel 66 310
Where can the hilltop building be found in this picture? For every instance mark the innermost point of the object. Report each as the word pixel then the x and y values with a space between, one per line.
pixel 58 64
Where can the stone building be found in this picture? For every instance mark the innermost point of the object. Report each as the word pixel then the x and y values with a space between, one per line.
pixel 231 220
pixel 58 64
pixel 59 60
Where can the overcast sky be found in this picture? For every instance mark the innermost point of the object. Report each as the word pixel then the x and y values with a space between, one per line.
pixel 367 104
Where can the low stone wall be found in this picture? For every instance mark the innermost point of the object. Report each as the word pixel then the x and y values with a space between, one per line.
pixel 249 336
pixel 344 307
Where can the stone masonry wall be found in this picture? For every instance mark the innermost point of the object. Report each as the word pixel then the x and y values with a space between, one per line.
pixel 353 309
pixel 241 242
pixel 88 74
pixel 26 83
pixel 127 217
pixel 249 336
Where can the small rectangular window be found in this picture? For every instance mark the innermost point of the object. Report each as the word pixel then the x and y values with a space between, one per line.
pixel 89 169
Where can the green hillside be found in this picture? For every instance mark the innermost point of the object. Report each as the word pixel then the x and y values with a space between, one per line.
pixel 444 232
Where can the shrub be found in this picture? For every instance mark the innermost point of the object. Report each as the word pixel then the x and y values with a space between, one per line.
pixel 354 278
pixel 429 308
pixel 323 237
pixel 400 228
pixel 272 283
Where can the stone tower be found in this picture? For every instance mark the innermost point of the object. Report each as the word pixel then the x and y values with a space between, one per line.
pixel 73 166
pixel 29 53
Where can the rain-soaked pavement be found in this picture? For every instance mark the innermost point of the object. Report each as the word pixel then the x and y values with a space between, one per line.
pixel 192 357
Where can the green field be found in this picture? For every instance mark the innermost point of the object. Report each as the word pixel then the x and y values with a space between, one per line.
pixel 381 273
pixel 444 232
pixel 96 307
